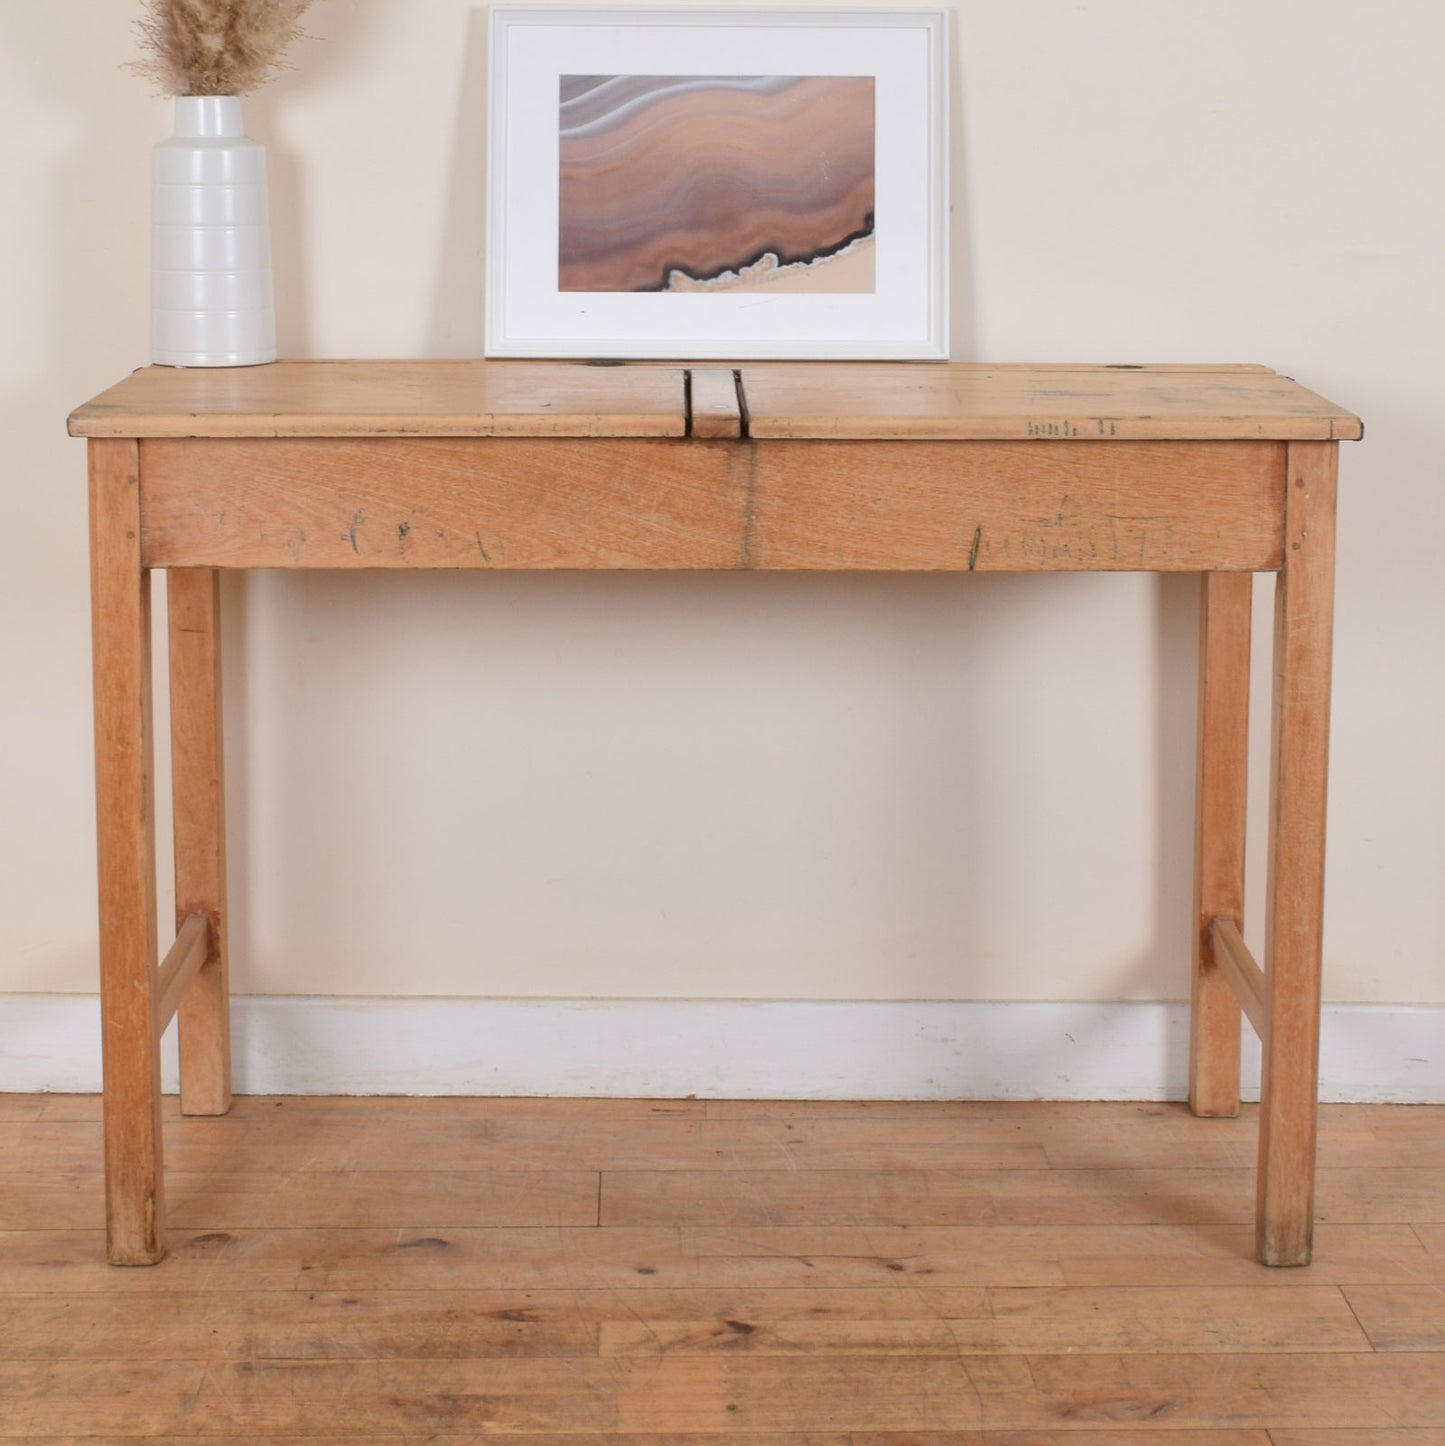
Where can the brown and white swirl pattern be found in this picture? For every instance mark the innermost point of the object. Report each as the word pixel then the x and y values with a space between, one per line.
pixel 716 182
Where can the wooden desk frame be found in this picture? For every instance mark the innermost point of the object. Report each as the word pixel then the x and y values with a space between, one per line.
pixel 1221 471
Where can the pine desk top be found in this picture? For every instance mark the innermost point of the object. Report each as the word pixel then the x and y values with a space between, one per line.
pixel 841 400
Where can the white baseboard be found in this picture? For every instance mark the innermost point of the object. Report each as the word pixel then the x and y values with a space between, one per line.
pixel 726 1049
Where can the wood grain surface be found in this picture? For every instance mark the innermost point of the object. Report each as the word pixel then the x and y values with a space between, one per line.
pixel 797 399
pixel 1295 893
pixel 963 401
pixel 1221 779
pixel 514 502
pixel 714 406
pixel 390 398
pixel 1014 506
pixel 508 502
pixel 120 602
pixel 198 809
pixel 443 1310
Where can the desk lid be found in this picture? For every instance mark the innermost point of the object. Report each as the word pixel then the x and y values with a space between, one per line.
pixel 391 398
pixel 919 401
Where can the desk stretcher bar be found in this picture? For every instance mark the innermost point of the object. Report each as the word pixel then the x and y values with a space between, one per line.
pixel 1224 471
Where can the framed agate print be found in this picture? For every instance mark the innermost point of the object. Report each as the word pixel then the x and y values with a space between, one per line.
pixel 717 183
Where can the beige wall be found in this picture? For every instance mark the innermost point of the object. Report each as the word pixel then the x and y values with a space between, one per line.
pixel 759 786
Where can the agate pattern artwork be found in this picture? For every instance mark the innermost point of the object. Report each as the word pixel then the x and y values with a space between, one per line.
pixel 697 183
pixel 684 184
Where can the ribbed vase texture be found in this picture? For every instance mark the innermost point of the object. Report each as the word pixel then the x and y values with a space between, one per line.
pixel 212 299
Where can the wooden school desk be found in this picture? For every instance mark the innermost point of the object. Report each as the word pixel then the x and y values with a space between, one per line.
pixel 852 467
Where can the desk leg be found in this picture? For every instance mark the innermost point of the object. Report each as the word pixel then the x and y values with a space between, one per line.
pixel 198 791
pixel 125 812
pixel 1303 626
pixel 1221 787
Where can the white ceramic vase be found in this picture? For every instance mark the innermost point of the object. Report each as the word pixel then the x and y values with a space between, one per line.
pixel 212 301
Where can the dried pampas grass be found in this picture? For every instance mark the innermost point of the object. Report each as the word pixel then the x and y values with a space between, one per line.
pixel 216 47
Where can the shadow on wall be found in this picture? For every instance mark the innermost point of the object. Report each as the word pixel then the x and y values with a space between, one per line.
pixel 913 787
pixel 1008 769
pixel 334 34
pixel 1165 969
pixel 457 322
pixel 962 327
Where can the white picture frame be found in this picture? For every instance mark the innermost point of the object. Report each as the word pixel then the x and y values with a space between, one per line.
pixel 545 60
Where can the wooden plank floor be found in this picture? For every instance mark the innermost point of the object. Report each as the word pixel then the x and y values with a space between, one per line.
pixel 703 1273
